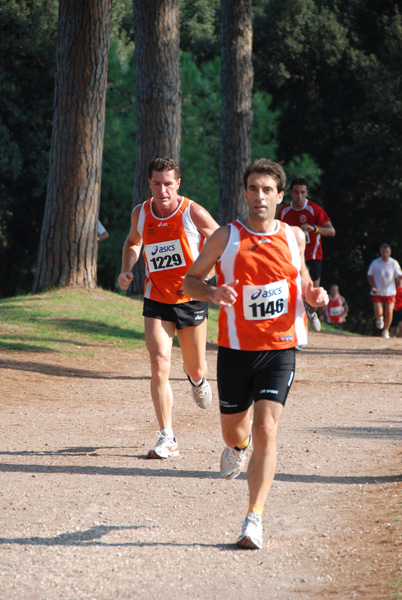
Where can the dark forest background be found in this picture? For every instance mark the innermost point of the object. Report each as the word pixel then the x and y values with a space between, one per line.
pixel 327 105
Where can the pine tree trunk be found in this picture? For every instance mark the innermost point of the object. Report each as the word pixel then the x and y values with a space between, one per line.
pixel 158 95
pixel 237 114
pixel 68 245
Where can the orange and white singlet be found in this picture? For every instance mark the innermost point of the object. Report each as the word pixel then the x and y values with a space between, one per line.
pixel 333 311
pixel 171 246
pixel 269 311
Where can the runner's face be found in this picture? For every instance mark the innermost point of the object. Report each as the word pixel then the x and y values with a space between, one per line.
pixel 385 254
pixel 262 196
pixel 299 195
pixel 164 186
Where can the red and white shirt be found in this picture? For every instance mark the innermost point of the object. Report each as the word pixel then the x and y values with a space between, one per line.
pixel 312 214
pixel 334 311
pixel 171 245
pixel 269 311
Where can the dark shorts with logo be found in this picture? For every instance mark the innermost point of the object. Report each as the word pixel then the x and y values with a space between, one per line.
pixel 187 314
pixel 314 268
pixel 247 376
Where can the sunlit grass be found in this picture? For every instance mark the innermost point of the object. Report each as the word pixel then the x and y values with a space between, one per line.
pixel 72 320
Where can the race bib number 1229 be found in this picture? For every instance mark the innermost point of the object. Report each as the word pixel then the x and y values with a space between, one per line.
pixel 164 255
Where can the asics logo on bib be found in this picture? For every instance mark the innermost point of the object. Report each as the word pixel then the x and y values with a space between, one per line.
pixel 266 293
pixel 163 249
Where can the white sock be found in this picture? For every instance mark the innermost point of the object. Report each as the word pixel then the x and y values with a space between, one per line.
pixel 196 383
pixel 167 433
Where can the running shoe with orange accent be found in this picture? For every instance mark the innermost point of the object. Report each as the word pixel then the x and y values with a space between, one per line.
pixel 251 534
pixel 165 447
pixel 232 462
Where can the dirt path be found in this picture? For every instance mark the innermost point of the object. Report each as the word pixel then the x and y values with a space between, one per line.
pixel 84 515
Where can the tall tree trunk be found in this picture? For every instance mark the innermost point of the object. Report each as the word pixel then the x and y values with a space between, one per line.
pixel 237 114
pixel 157 95
pixel 68 245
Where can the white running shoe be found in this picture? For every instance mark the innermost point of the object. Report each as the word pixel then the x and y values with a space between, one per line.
pixel 251 533
pixel 232 462
pixel 379 322
pixel 202 393
pixel 165 447
pixel 385 334
pixel 314 321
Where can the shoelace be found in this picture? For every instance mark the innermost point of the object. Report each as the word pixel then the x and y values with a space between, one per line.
pixel 234 457
pixel 253 518
pixel 201 390
pixel 163 438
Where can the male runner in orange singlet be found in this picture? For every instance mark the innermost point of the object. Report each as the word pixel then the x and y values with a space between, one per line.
pixel 262 281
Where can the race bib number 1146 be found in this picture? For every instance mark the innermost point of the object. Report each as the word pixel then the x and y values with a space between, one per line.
pixel 268 301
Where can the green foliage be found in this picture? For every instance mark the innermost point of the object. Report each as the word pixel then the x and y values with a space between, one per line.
pixel 304 166
pixel 201 116
pixel 27 63
pixel 201 106
pixel 264 142
pixel 327 105
pixel 333 70
pixel 118 163
pixel 199 28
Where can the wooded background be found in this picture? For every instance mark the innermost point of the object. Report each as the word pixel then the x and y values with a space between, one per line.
pixel 326 104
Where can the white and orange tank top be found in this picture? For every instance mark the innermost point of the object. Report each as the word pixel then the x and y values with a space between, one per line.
pixel 171 245
pixel 333 311
pixel 269 311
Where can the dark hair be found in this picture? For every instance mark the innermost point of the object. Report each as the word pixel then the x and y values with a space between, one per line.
pixel 164 164
pixel 267 167
pixel 298 181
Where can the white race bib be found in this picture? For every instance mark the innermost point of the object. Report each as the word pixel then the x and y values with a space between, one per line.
pixel 307 236
pixel 334 311
pixel 261 302
pixel 162 256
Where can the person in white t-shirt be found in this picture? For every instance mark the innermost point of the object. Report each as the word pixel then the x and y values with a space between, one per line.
pixel 382 274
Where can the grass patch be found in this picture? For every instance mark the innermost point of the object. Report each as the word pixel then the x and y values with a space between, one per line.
pixel 73 320
pixel 70 320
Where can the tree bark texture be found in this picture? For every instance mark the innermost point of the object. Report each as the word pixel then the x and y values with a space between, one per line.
pixel 237 113
pixel 157 95
pixel 68 245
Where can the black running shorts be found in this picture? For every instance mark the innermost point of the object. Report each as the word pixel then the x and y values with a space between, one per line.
pixel 187 314
pixel 314 268
pixel 247 376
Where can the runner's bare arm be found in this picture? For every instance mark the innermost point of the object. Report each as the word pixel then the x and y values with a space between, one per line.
pixel 326 229
pixel 194 282
pixel 372 284
pixel 131 251
pixel 205 224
